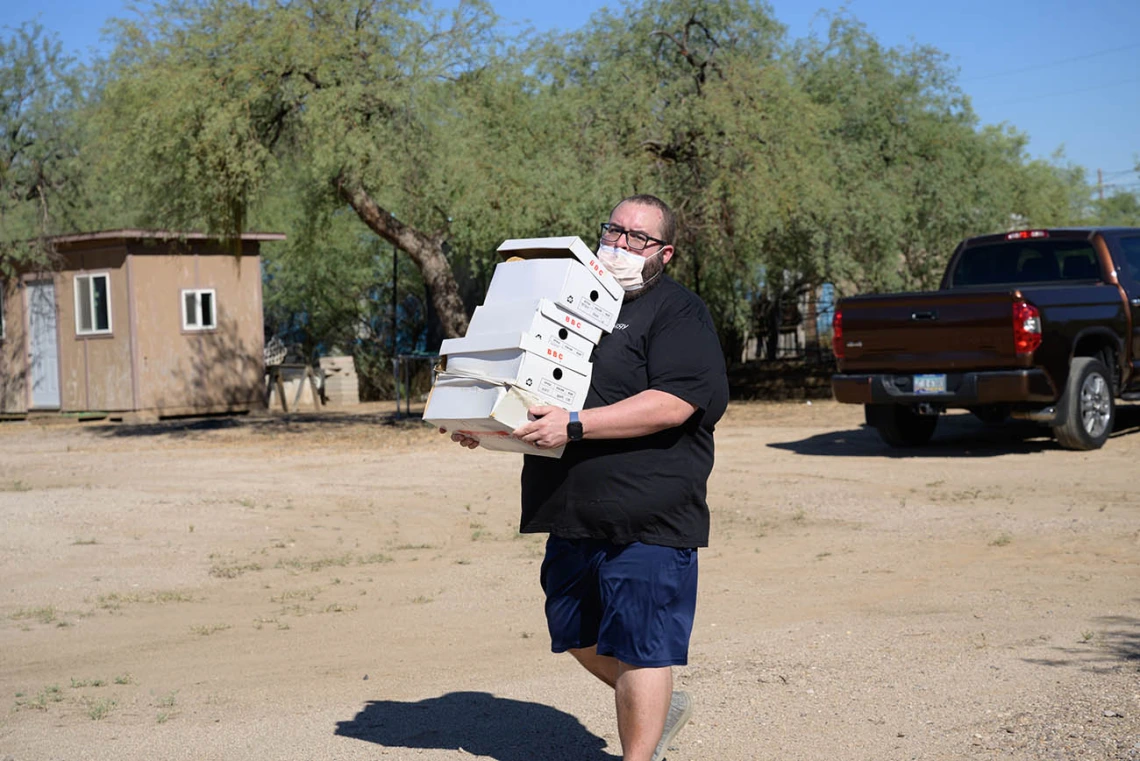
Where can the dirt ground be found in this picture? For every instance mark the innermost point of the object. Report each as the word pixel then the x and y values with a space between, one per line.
pixel 346 586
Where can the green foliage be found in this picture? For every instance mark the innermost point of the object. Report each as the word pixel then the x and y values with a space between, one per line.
pixel 363 100
pixel 1121 208
pixel 328 287
pixel 40 166
pixel 358 125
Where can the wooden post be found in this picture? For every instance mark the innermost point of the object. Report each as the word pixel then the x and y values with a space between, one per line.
pixel 396 382
pixel 280 389
pixel 312 376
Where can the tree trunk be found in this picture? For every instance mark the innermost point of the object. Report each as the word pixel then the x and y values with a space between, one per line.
pixel 425 251
pixel 774 315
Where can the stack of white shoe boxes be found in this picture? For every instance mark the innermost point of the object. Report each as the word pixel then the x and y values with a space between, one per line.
pixel 529 343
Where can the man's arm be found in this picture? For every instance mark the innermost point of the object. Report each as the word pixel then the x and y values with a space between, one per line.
pixel 644 413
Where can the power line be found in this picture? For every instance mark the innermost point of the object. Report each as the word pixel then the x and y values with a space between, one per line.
pixel 1044 96
pixel 1049 64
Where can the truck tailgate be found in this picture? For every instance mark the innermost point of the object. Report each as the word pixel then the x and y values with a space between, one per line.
pixel 948 330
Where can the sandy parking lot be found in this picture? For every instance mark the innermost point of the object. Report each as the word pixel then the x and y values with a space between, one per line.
pixel 340 586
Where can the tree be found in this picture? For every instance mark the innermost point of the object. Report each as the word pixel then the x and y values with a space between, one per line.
pixel 790 166
pixel 692 102
pixel 328 288
pixel 41 172
pixel 1122 208
pixel 213 98
pixel 914 172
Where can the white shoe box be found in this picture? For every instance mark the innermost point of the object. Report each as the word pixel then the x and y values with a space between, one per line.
pixel 586 289
pixel 521 359
pixel 560 248
pixel 556 328
pixel 485 410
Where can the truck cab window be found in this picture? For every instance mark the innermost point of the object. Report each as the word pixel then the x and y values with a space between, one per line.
pixel 1131 249
pixel 1020 262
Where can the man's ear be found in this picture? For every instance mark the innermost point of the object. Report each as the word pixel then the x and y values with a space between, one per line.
pixel 666 254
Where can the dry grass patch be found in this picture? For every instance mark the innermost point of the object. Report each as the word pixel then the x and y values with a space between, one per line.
pixel 40 701
pixel 115 601
pixel 233 569
pixel 337 607
pixel 99 708
pixel 15 486
pixel 167 707
pixel 206 631
pixel 289 595
pixel 298 565
pixel 45 615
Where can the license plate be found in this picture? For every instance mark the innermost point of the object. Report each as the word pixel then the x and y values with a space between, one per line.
pixel 930 384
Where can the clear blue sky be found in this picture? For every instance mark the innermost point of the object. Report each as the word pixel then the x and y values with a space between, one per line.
pixel 1066 73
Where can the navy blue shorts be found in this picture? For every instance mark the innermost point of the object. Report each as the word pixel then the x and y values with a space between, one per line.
pixel 634 601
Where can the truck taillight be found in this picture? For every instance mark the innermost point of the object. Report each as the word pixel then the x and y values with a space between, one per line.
pixel 1026 234
pixel 1026 327
pixel 837 334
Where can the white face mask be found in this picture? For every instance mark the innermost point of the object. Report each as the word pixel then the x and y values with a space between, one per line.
pixel 625 266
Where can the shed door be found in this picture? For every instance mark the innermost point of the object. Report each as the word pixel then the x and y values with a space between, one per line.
pixel 43 348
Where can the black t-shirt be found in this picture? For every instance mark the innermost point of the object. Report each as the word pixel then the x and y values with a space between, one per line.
pixel 652 488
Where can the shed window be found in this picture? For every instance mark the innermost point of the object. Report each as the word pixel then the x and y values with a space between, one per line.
pixel 92 307
pixel 198 312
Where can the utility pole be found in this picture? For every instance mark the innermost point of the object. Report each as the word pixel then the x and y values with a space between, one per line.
pixel 1100 183
pixel 395 288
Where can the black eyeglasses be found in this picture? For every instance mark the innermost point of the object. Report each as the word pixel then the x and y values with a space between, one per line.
pixel 635 240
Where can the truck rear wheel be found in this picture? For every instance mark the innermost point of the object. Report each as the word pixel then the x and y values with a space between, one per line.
pixel 899 425
pixel 1087 406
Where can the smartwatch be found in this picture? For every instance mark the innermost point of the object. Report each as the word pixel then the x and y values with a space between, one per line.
pixel 574 427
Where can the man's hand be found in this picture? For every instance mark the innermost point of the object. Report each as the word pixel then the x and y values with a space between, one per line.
pixel 463 441
pixel 547 430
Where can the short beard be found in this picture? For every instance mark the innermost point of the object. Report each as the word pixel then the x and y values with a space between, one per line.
pixel 652 274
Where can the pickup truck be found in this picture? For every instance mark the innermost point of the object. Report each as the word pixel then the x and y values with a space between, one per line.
pixel 1040 325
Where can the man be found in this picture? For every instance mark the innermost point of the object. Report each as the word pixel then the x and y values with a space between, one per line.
pixel 625 504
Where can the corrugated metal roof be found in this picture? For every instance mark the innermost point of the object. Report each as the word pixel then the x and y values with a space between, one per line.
pixel 136 234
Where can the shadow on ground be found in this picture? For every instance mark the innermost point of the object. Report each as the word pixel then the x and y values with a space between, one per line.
pixel 478 723
pixel 257 423
pixel 1115 646
pixel 957 435
pixel 1122 637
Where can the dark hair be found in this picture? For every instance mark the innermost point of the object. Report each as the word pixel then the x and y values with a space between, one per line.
pixel 668 220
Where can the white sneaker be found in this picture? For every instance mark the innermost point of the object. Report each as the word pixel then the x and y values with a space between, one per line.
pixel 680 711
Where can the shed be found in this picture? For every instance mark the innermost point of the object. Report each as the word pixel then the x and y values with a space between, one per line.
pixel 136 321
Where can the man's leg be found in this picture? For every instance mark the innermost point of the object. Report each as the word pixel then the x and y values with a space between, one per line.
pixel 604 667
pixel 642 696
pixel 633 586
pixel 607 669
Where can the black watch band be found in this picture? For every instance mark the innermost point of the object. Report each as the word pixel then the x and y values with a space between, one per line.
pixel 574 427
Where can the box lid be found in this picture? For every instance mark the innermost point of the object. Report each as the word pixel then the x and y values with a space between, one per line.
pixel 485 410
pixel 525 309
pixel 560 248
pixel 591 333
pixel 501 402
pixel 499 341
